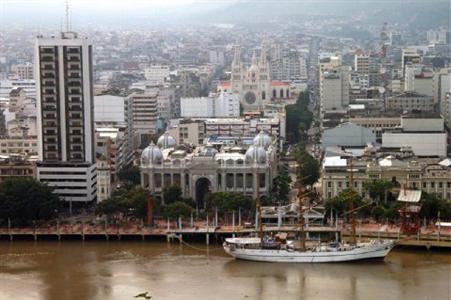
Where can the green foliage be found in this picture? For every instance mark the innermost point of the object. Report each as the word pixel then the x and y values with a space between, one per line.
pixel 130 175
pixel 299 119
pixel 27 200
pixel 342 203
pixel 281 187
pixel 172 194
pixel 391 212
pixel 377 212
pixel 308 166
pixel 431 205
pixel 176 209
pixel 131 202
pixel 378 188
pixel 227 202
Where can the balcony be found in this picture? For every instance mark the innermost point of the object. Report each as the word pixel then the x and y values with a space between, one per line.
pixel 75 108
pixel 48 66
pixel 47 50
pixel 48 75
pixel 47 57
pixel 74 67
pixel 74 83
pixel 49 92
pixel 73 50
pixel 49 108
pixel 49 115
pixel 74 75
pixel 49 125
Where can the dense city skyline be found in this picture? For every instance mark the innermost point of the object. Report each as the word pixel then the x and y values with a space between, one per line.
pixel 291 132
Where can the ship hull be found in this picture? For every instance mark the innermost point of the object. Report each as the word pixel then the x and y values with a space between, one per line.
pixel 370 252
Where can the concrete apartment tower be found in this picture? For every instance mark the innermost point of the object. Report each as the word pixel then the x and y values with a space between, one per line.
pixel 63 72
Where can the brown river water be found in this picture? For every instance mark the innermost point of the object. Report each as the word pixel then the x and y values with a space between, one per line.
pixel 121 270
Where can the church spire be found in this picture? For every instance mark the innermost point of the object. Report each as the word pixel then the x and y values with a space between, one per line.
pixel 263 55
pixel 254 59
pixel 236 55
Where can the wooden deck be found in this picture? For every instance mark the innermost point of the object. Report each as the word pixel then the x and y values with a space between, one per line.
pixel 428 237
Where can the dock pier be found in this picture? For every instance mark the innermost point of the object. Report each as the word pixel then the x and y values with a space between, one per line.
pixel 426 238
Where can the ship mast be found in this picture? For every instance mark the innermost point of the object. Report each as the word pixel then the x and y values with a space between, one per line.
pixel 351 199
pixel 300 197
pixel 259 209
pixel 301 218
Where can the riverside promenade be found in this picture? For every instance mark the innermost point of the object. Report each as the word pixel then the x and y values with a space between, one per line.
pixel 428 237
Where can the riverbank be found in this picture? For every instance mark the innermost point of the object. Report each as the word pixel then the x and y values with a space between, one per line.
pixel 427 238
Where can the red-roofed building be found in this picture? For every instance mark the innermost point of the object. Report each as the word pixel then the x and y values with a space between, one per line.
pixel 224 86
pixel 280 90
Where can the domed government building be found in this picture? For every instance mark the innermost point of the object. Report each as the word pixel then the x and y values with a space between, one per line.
pixel 243 165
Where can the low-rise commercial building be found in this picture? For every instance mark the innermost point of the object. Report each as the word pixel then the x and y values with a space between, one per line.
pixel 18 145
pixel 431 176
pixel 17 167
pixel 348 134
pixel 424 133
pixel 411 101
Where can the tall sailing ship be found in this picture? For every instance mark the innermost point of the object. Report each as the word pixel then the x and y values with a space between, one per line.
pixel 267 249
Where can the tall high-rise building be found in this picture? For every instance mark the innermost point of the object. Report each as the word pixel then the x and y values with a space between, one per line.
pixel 290 66
pixel 367 64
pixel 63 69
pixel 145 115
pixel 334 88
pixel 24 71
pixel 410 56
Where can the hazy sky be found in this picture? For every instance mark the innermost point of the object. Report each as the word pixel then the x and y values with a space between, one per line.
pixel 52 12
pixel 132 13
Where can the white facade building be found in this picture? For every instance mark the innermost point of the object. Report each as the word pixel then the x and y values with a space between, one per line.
pixel 425 135
pixel 437 36
pixel 65 116
pixel 348 135
pixel 28 85
pixel 145 114
pixel 442 87
pixel 109 109
pixel 409 56
pixel 334 88
pixel 157 74
pixel 24 71
pixel 103 179
pixel 227 105
pixel 446 109
pixel 223 105
pixel 197 107
pixel 420 80
pixel 422 144
pixel 243 169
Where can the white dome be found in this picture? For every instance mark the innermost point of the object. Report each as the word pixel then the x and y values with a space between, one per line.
pixel 166 141
pixel 256 154
pixel 208 151
pixel 151 155
pixel 262 140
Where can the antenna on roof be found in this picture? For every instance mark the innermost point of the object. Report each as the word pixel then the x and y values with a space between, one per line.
pixel 67 16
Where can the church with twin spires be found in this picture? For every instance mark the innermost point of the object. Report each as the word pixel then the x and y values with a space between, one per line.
pixel 253 83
